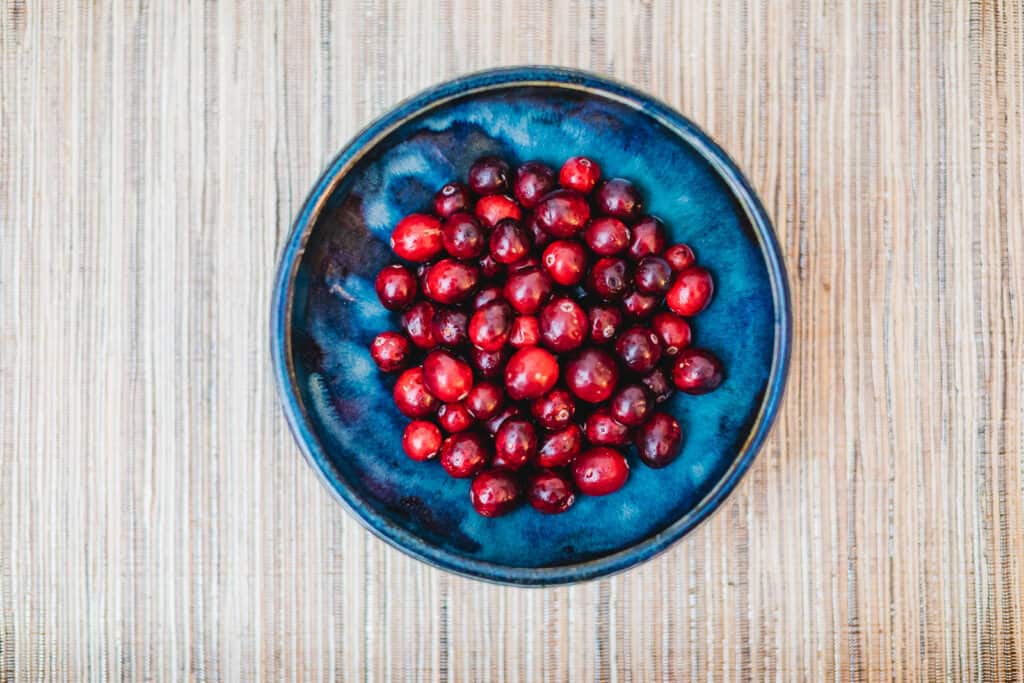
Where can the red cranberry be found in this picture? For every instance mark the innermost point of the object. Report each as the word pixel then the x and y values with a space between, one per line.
pixel 604 430
pixel 620 198
pixel 390 351
pixel 464 454
pixel 592 375
pixel 653 275
pixel 509 242
pixel 489 175
pixel 607 236
pixel 489 363
pixel 550 492
pixel 680 257
pixel 484 400
pixel 462 236
pixel 421 440
pixel 563 213
pixel 450 327
pixel 580 174
pixel 486 295
pixel 639 348
pixel 531 372
pixel 447 377
pixel 494 493
pixel 554 410
pixel 527 290
pixel 490 325
pixel 418 322
pixel 563 325
pixel 609 278
pixel 599 471
pixel 639 306
pixel 489 268
pixel 659 385
pixel 450 281
pixel 525 332
pixel 539 236
pixel 528 262
pixel 691 292
pixel 451 199
pixel 417 238
pixel 631 405
pixel 560 448
pixel 566 262
pixel 673 331
pixel 411 395
pixel 648 238
pixel 396 287
pixel 495 208
pixel 507 413
pixel 660 441
pixel 605 321
pixel 533 181
pixel 454 417
pixel 515 443
pixel 696 371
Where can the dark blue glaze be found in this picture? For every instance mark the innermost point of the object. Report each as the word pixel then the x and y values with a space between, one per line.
pixel 325 313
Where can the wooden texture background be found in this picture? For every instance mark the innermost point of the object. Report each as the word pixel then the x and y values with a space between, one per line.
pixel 156 519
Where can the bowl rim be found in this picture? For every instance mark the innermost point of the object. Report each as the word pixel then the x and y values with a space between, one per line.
pixel 294 247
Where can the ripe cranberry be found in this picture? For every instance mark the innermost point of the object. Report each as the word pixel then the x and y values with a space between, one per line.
pixel 653 275
pixel 417 238
pixel 450 281
pixel 418 322
pixel 464 454
pixel 660 441
pixel 486 295
pixel 599 471
pixel 450 327
pixel 691 292
pixel 507 413
pixel 620 198
pixel 451 199
pixel 509 242
pixel 609 278
pixel 515 443
pixel 631 405
pixel 454 418
pixel 489 268
pixel 639 306
pixel 680 257
pixel 604 430
pixel 592 375
pixel 489 175
pixel 525 332
pixel 396 287
pixel 560 448
pixel 648 238
pixel 421 440
pixel 484 400
pixel 697 371
pixel 531 372
pixel 605 321
pixel 539 236
pixel 390 351
pixel 490 325
pixel 411 395
pixel 580 174
pixel 563 213
pixel 550 492
pixel 495 208
pixel 673 331
pixel 563 325
pixel 554 410
pixel 639 348
pixel 527 290
pixel 462 236
pixel 489 363
pixel 528 262
pixel 447 377
pixel 607 236
pixel 494 493
pixel 566 262
pixel 658 384
pixel 533 181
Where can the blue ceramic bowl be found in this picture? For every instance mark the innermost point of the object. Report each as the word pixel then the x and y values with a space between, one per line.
pixel 325 314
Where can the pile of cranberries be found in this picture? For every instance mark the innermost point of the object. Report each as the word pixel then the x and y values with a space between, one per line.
pixel 544 320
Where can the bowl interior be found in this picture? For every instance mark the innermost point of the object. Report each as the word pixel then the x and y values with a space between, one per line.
pixel 342 404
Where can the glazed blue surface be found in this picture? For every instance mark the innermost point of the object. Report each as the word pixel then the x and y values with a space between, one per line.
pixel 326 314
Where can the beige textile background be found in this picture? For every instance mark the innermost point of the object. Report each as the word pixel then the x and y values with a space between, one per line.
pixel 156 520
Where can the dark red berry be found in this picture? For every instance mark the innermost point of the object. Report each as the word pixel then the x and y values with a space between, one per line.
pixel 680 257
pixel 632 405
pixel 639 306
pixel 451 199
pixel 417 238
pixel 563 213
pixel 620 198
pixel 454 418
pixel 560 448
pixel 418 322
pixel 489 268
pixel 599 471
pixel 531 372
pixel 605 322
pixel 563 325
pixel 580 174
pixel 527 290
pixel 491 325
pixel 447 377
pixel 533 181
pixel 489 175
pixel 411 395
pixel 507 413
pixel 489 363
pixel 649 238
pixel 592 375
pixel 525 332
pixel 495 208
pixel 659 442
pixel 550 492
pixel 515 443
pixel 639 348
pixel 450 327
pixel 565 261
pixel 494 493
pixel 691 293
pixel 484 400
pixel 554 410
pixel 450 281
pixel 539 236
pixel 463 237
pixel 696 371
pixel 604 430
pixel 607 236
pixel 396 287
pixel 609 278
pixel 510 242
pixel 653 275
pixel 486 295
pixel 528 262
pixel 464 454
pixel 421 440
pixel 673 331
pixel 659 385
pixel 390 351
